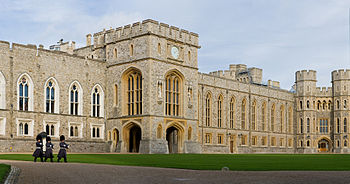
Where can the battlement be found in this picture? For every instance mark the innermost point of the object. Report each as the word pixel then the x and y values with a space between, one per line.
pixel 305 75
pixel 38 51
pixel 241 73
pixel 341 74
pixel 324 91
pixel 142 28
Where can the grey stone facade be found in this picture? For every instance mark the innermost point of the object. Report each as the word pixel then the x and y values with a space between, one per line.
pixel 152 99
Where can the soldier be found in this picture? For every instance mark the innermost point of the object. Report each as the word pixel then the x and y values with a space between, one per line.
pixel 63 146
pixel 49 147
pixel 39 149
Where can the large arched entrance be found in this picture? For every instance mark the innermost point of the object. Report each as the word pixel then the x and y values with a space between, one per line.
pixel 172 136
pixel 134 139
pixel 324 145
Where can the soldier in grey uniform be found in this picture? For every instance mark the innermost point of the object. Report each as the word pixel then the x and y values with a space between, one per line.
pixel 63 149
pixel 49 147
pixel 39 149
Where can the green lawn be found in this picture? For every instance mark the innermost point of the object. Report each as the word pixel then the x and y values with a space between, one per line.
pixel 4 170
pixel 244 162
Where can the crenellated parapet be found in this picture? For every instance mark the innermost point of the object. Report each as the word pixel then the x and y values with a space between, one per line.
pixel 341 75
pixel 324 91
pixel 305 75
pixel 143 28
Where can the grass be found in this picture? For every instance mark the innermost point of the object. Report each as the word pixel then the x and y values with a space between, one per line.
pixel 4 170
pixel 241 162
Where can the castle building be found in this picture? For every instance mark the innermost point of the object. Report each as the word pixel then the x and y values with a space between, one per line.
pixel 137 88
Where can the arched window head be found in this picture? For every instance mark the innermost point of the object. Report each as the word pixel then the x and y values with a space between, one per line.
pixel 243 114
pixel 232 112
pixel 133 89
pixel 74 102
pixel 254 115
pixel 173 89
pixel 208 109
pixel 263 116
pixel 97 102
pixel 220 99
pixel 51 98
pixel 282 117
pixel 345 125
pixel 2 91
pixel 75 99
pixel 23 94
pixel 273 115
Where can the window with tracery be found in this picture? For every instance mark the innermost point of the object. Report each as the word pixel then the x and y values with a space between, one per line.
pixel 208 110
pixel 172 94
pixel 232 113
pixel 74 100
pixel 23 94
pixel 50 97
pixel 220 111
pixel 134 93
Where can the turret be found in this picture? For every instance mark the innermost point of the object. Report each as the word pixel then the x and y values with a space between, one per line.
pixel 340 82
pixel 305 82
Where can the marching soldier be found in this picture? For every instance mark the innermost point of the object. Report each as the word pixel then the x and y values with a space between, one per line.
pixel 63 146
pixel 49 147
pixel 39 149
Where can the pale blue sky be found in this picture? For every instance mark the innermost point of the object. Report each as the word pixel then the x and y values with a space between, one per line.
pixel 280 37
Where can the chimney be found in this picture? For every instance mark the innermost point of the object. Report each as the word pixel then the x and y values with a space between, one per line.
pixel 88 40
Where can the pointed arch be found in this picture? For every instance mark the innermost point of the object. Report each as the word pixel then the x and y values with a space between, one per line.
pixel 97 101
pixel 290 120
pixel 25 95
pixel 173 93
pixel 220 107
pixel 2 91
pixel 263 116
pixel 232 112
pixel 208 109
pixel 243 113
pixel 282 115
pixel 52 96
pixel 273 116
pixel 132 90
pixel 254 115
pixel 75 98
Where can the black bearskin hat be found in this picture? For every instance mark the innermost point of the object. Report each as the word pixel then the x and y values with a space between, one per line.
pixel 62 138
pixel 38 137
pixel 48 138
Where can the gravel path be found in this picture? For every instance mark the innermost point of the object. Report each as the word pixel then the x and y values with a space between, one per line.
pixel 94 173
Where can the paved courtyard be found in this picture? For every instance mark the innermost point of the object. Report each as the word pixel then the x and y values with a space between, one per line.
pixel 95 173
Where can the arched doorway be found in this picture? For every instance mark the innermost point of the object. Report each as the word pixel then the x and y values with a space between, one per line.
pixel 324 145
pixel 134 139
pixel 232 144
pixel 115 137
pixel 172 136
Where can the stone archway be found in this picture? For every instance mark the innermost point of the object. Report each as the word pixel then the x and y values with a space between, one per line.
pixel 132 135
pixel 324 145
pixel 134 139
pixel 172 136
pixel 175 137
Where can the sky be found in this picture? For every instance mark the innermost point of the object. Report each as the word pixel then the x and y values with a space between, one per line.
pixel 281 37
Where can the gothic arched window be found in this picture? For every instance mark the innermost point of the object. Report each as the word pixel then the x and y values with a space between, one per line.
pixel 134 93
pixel 173 85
